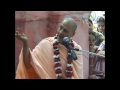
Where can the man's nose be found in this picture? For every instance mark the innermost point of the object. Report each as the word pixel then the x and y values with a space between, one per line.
pixel 90 41
pixel 100 27
pixel 61 32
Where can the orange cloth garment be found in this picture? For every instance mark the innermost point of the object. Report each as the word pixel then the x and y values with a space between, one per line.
pixel 42 61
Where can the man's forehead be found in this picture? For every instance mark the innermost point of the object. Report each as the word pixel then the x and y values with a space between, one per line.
pixel 101 23
pixel 69 24
pixel 92 36
pixel 64 26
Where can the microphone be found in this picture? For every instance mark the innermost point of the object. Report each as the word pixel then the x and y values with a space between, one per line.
pixel 68 46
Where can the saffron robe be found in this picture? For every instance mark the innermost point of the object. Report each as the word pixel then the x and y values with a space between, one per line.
pixel 42 62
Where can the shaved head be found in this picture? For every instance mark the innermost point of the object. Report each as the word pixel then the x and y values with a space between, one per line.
pixel 72 24
pixel 67 29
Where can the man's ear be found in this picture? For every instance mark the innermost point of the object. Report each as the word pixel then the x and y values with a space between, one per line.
pixel 74 33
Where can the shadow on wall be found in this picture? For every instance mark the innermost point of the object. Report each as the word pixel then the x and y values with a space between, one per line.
pixel 38 25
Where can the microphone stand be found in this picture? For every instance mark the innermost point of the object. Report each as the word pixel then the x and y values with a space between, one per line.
pixel 102 56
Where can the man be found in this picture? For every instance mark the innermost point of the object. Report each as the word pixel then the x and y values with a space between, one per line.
pixel 99 36
pixel 100 32
pixel 101 25
pixel 101 62
pixel 50 59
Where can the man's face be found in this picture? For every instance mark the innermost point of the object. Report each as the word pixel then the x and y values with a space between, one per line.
pixel 101 26
pixel 65 30
pixel 91 40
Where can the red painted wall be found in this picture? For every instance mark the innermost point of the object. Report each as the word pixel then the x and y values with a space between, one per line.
pixel 38 25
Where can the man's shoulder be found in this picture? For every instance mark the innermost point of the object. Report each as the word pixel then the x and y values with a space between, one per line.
pixel 44 43
pixel 98 34
pixel 47 40
pixel 103 42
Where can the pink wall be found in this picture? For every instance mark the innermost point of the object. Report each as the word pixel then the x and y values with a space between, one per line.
pixel 38 25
